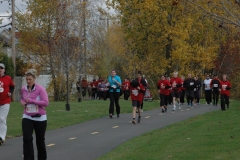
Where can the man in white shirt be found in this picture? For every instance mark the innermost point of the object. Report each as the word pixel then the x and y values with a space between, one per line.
pixel 208 90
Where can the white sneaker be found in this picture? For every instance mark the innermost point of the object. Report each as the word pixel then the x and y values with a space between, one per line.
pixel 174 108
pixel 179 107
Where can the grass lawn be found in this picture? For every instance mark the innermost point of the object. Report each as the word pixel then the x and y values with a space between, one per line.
pixel 212 136
pixel 79 112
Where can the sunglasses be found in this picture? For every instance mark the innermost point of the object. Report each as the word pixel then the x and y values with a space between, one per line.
pixel 1 68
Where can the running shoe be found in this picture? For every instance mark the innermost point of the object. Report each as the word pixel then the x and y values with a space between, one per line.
pixel 110 115
pixel 1 141
pixel 139 119
pixel 179 107
pixel 174 108
pixel 133 122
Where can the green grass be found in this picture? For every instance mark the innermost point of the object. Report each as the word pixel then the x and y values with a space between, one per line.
pixel 58 117
pixel 211 136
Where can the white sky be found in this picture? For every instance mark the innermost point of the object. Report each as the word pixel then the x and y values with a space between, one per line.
pixel 5 10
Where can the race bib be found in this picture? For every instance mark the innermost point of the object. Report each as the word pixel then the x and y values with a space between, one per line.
pixel 215 85
pixel 32 108
pixel 191 83
pixel 114 86
pixel 135 92
pixel 207 86
pixel 224 87
pixel 195 89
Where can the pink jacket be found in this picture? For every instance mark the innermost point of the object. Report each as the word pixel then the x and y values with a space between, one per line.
pixel 37 100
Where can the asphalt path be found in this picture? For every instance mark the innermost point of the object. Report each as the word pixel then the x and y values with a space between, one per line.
pixel 92 139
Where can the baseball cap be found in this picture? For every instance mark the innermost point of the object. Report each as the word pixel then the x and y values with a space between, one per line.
pixel 2 65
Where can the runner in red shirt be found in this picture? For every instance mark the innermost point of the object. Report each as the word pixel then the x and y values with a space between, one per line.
pixel 176 84
pixel 225 87
pixel 125 88
pixel 94 85
pixel 163 86
pixel 136 91
pixel 6 90
pixel 183 89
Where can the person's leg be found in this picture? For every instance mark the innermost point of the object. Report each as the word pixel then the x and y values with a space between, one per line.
pixel 217 97
pixel 227 101
pixel 174 101
pixel 40 129
pixel 142 106
pixel 139 111
pixel 188 98
pixel 27 129
pixel 134 105
pixel 210 96
pixel 166 102
pixel 111 107
pixel 162 102
pixel 214 97
pixel 116 100
pixel 4 109
pixel 206 98
pixel 222 102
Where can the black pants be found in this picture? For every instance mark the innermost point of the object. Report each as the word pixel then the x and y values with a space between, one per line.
pixel 208 96
pixel 170 99
pixel 114 98
pixel 94 91
pixel 163 100
pixel 190 96
pixel 84 90
pixel 215 96
pixel 182 95
pixel 126 94
pixel 102 94
pixel 224 100
pixel 197 95
pixel 40 128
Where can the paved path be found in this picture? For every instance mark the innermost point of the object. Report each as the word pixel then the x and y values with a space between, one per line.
pixel 89 140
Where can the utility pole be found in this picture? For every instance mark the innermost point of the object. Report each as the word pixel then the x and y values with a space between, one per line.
pixel 13 38
pixel 84 37
pixel 13 43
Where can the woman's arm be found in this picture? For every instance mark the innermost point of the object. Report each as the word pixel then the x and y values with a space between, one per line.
pixel 44 99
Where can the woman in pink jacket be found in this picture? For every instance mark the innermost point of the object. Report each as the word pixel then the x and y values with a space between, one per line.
pixel 34 99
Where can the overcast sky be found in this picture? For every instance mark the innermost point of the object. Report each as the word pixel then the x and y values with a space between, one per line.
pixel 5 10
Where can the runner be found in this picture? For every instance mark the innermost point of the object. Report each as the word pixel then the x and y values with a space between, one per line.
pixel 136 90
pixel 215 85
pixel 176 84
pixel 94 85
pixel 34 99
pixel 183 89
pixel 143 82
pixel 125 88
pixel 189 84
pixel 6 91
pixel 84 84
pixel 114 93
pixel 197 91
pixel 163 86
pixel 208 90
pixel 102 88
pixel 225 86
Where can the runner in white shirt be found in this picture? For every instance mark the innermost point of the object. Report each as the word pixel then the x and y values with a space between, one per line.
pixel 208 89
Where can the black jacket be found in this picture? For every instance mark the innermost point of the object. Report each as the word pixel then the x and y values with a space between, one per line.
pixel 189 84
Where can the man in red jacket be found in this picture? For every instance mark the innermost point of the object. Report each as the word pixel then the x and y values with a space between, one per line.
pixel 163 86
pixel 6 90
pixel 176 84
pixel 136 91
pixel 225 87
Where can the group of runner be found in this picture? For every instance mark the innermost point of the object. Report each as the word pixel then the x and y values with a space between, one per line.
pixel 175 89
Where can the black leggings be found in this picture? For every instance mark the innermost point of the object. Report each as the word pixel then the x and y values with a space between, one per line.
pixel 208 96
pixel 215 96
pixel 126 94
pixel 163 100
pixel 114 98
pixel 224 100
pixel 182 95
pixel 40 128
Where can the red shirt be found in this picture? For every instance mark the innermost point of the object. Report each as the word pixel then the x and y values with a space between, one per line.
pixel 84 83
pixel 94 84
pixel 125 85
pixel 5 83
pixel 174 83
pixel 225 86
pixel 136 94
pixel 165 83
pixel 182 88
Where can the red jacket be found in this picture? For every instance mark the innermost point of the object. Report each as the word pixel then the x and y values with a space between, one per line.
pixel 94 84
pixel 125 85
pixel 84 83
pixel 182 88
pixel 176 84
pixel 5 84
pixel 137 94
pixel 225 87
pixel 166 85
